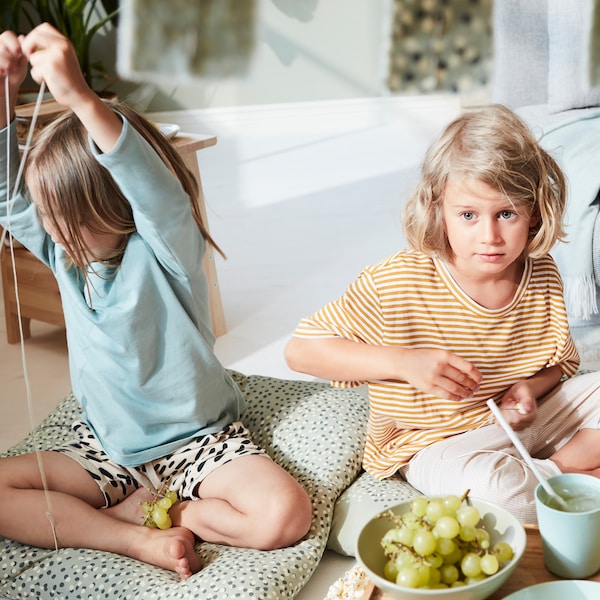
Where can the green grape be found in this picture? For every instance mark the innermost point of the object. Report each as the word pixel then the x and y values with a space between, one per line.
pixel 503 551
pixel 161 517
pixel 446 527
pixel 435 510
pixel 164 503
pixel 435 560
pixel 468 516
pixel 449 574
pixel 470 565
pixel 424 542
pixel 424 573
pixel 489 564
pixel 404 558
pixel 454 557
pixel 452 503
pixel 172 495
pixel 146 508
pixel 435 577
pixel 406 535
pixel 411 521
pixel 483 538
pixel 408 577
pixel 445 546
pixel 418 506
pixel 467 533
pixel 390 570
pixel 392 536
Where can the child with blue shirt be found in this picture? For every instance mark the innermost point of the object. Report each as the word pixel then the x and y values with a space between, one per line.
pixel 108 205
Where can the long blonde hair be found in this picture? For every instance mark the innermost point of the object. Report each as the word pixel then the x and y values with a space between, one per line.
pixel 494 146
pixel 75 186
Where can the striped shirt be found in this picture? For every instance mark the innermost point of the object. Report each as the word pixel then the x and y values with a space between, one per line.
pixel 411 300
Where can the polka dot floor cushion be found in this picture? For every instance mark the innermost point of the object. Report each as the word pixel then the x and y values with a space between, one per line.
pixel 361 501
pixel 314 431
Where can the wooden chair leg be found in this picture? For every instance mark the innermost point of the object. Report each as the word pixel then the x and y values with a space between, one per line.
pixel 13 335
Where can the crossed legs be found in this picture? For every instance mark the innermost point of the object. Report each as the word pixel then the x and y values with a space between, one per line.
pixel 249 502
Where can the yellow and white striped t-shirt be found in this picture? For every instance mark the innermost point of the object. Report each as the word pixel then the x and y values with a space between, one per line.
pixel 411 300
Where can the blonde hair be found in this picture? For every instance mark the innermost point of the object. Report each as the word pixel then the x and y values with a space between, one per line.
pixel 494 146
pixel 76 187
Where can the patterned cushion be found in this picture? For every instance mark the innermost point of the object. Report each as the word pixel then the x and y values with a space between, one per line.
pixel 314 431
pixel 365 498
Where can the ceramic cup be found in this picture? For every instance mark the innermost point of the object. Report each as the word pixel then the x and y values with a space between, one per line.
pixel 570 539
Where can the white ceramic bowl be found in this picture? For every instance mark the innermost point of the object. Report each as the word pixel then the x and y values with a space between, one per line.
pixel 499 523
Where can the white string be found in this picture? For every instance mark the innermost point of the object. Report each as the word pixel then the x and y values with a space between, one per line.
pixel 9 202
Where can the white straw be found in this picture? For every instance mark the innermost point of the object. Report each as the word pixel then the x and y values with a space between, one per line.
pixel 526 456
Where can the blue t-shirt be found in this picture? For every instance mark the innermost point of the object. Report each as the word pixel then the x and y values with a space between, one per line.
pixel 140 342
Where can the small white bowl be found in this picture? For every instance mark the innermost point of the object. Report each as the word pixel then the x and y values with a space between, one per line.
pixel 501 525
pixel 169 130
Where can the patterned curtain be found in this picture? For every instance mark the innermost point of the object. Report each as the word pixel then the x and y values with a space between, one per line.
pixel 440 45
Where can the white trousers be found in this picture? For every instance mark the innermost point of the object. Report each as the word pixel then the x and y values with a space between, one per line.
pixel 486 462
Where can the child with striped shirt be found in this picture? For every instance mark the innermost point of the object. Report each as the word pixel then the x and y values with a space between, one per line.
pixel 473 309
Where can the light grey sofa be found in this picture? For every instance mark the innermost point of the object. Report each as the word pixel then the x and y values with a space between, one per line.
pixel 545 68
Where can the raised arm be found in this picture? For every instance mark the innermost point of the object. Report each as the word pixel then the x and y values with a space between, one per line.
pixel 53 61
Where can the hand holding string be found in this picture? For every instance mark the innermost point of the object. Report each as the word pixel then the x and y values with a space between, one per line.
pixel 54 62
pixel 13 70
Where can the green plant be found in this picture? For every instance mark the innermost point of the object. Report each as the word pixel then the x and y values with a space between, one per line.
pixel 79 20
pixel 9 16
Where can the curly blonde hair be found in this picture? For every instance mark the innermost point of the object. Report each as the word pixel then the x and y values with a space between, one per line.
pixel 494 146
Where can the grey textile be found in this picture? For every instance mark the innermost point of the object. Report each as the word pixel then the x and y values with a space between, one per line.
pixel 521 58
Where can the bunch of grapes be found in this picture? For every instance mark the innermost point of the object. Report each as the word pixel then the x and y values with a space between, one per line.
pixel 156 513
pixel 440 543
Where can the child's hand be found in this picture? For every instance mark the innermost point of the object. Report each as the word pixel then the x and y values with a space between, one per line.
pixel 441 373
pixel 53 60
pixel 13 64
pixel 518 406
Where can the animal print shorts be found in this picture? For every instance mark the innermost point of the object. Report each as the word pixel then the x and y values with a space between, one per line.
pixel 181 470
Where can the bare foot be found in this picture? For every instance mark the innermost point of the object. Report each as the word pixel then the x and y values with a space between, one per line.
pixel 130 509
pixel 172 549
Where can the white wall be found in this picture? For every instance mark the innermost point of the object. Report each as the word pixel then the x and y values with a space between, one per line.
pixel 305 50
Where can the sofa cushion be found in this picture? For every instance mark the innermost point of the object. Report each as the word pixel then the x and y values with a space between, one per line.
pixel 569 33
pixel 521 58
pixel 314 431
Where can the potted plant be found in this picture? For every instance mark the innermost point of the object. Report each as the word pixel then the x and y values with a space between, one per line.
pixel 79 20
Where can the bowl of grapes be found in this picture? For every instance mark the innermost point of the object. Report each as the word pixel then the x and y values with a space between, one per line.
pixel 442 548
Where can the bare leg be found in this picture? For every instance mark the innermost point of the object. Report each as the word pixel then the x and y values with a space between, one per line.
pixel 130 509
pixel 581 454
pixel 76 520
pixel 250 502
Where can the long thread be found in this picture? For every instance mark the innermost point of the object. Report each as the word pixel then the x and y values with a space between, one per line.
pixel 9 202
